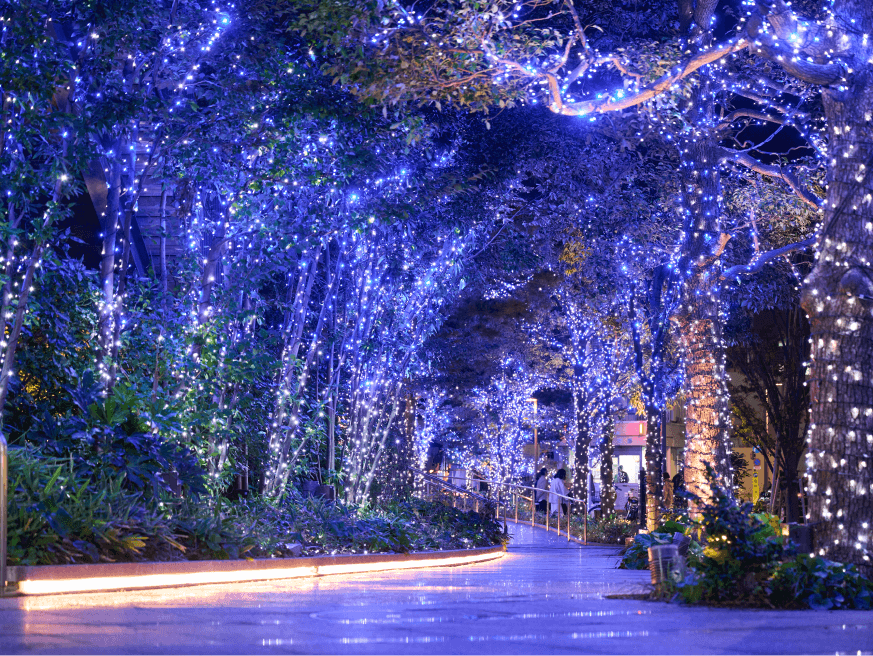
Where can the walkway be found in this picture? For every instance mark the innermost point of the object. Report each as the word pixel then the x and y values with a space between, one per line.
pixel 544 596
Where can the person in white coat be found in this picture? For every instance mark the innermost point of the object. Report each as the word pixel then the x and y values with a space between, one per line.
pixel 557 504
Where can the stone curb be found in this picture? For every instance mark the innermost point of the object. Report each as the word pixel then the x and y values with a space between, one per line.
pixel 101 577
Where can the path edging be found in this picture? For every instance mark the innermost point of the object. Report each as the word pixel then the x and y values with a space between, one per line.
pixel 103 577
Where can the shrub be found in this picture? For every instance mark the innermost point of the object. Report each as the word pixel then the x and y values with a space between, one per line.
pixel 637 555
pixel 119 436
pixel 58 515
pixel 611 529
pixel 740 553
pixel 62 514
pixel 814 582
pixel 745 561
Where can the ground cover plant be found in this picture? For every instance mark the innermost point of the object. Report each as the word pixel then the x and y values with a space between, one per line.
pixel 60 515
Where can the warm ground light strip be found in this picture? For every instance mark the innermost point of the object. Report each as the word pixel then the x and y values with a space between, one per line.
pixel 360 565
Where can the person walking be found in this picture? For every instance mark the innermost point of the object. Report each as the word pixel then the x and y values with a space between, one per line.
pixel 668 491
pixel 679 486
pixel 542 490
pixel 621 475
pixel 557 492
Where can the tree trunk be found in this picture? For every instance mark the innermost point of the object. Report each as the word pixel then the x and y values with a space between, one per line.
pixel 707 412
pixel 654 485
pixel 838 296
pixel 163 257
pixel 106 326
pixel 579 489
pixel 648 378
pixel 11 343
pixel 607 489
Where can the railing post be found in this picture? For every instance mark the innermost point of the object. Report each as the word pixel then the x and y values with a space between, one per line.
pixel 4 473
pixel 515 494
pixel 532 508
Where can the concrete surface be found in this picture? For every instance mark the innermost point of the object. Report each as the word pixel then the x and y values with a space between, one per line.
pixel 544 596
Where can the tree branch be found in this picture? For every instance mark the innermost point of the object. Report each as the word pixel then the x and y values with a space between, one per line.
pixel 752 113
pixel 823 74
pixel 744 159
pixel 659 86
pixel 764 258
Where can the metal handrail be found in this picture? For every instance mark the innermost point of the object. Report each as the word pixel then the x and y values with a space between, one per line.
pixel 514 487
pixel 4 474
pixel 460 490
pixel 569 499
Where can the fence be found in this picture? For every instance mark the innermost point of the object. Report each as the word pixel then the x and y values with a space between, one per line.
pixel 506 497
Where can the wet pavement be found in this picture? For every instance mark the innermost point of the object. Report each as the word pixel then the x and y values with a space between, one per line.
pixel 545 596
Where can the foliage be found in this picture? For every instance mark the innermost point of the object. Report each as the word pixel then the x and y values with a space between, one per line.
pixel 611 529
pixel 63 515
pixel 59 515
pixel 637 555
pixel 808 581
pixel 741 549
pixel 119 436
pixel 745 561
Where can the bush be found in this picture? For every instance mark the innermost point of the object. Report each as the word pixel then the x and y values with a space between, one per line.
pixel 745 561
pixel 637 555
pixel 611 529
pixel 740 552
pixel 60 514
pixel 119 436
pixel 814 582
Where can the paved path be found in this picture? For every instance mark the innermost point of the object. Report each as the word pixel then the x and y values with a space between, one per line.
pixel 544 596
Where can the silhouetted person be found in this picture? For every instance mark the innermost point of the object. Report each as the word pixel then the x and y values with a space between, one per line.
pixel 541 494
pixel 668 491
pixel 621 475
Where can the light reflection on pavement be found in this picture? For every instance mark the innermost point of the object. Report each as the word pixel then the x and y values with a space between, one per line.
pixel 544 596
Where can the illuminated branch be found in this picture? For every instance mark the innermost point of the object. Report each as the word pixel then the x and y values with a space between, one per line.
pixel 661 85
pixel 764 258
pixel 789 178
pixel 751 113
pixel 823 74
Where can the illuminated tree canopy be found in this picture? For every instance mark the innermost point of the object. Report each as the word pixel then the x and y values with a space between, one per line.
pixel 327 235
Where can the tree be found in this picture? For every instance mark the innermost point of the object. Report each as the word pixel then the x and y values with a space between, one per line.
pixel 504 54
pixel 771 352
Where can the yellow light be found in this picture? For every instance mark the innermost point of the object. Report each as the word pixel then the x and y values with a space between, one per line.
pixel 175 579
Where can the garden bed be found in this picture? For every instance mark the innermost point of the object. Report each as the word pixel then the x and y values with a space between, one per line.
pixel 60 516
pixel 740 559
